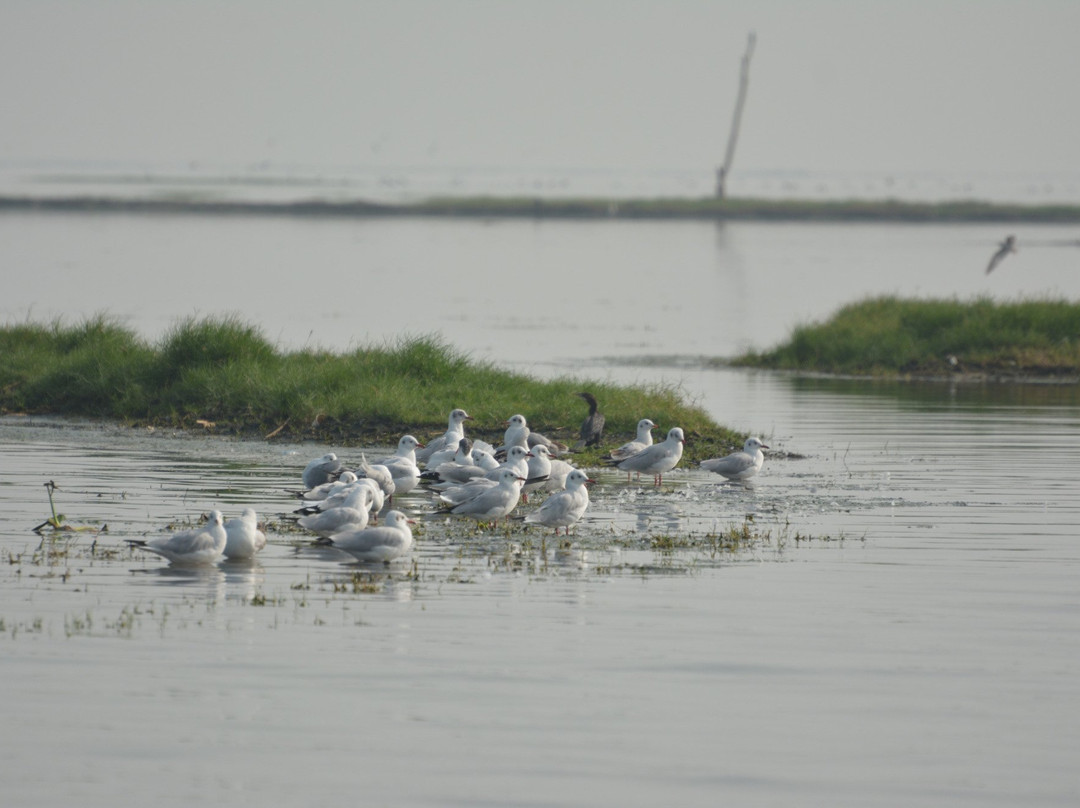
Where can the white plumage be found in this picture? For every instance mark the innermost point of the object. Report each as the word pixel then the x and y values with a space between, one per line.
pixel 199 545
pixel 658 458
pixel 243 539
pixel 739 465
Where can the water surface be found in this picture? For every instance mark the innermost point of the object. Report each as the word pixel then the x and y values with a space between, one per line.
pixel 900 629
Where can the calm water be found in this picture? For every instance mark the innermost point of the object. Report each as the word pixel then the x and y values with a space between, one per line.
pixel 522 292
pixel 903 631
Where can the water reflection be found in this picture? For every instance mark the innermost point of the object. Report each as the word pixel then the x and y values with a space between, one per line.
pixel 246 573
pixel 391 582
pixel 941 392
pixel 209 578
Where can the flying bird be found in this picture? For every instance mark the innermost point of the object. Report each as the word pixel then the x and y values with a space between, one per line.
pixel 1004 248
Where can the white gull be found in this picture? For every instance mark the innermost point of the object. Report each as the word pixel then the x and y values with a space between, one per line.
pixel 658 458
pixel 564 508
pixel 199 545
pixel 354 513
pixel 455 431
pixel 739 465
pixel 321 470
pixel 495 503
pixel 243 539
pixel 383 543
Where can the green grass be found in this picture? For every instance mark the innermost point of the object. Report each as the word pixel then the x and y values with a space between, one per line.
pixel 223 371
pixel 889 335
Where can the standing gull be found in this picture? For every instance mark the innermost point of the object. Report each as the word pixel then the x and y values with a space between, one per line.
pixel 495 503
pixel 658 458
pixel 517 460
pixel 455 431
pixel 564 508
pixel 642 442
pixel 739 465
pixel 560 470
pixel 200 545
pixel 402 465
pixel 516 434
pixel 538 471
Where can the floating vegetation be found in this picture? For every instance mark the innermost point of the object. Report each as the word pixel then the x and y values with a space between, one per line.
pixel 58 521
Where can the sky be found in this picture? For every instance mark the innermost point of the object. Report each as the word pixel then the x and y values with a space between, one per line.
pixel 950 85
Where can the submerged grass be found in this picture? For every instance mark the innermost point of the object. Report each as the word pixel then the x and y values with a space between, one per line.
pixel 890 335
pixel 223 372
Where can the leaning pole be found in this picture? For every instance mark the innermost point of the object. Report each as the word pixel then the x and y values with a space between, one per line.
pixel 736 119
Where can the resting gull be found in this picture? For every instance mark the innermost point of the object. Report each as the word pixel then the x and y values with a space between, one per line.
pixel 739 465
pixel 199 545
pixel 384 543
pixel 321 470
pixel 243 539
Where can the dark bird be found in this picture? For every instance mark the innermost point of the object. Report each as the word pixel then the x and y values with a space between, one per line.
pixel 1006 247
pixel 592 428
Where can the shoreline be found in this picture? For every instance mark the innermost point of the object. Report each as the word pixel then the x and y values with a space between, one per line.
pixel 488 207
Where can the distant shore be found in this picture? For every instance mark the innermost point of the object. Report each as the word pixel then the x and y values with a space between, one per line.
pixel 489 207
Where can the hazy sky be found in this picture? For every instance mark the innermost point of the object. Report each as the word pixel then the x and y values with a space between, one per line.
pixel 879 86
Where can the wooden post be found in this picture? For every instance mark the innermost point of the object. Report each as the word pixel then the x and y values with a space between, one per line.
pixel 736 120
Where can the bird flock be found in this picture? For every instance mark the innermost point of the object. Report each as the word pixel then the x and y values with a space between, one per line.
pixel 341 506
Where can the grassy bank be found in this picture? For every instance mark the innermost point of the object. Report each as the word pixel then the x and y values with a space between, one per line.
pixel 890 336
pixel 224 373
pixel 707 208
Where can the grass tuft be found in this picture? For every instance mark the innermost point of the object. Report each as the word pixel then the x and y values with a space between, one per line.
pixel 225 372
pixel 890 335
